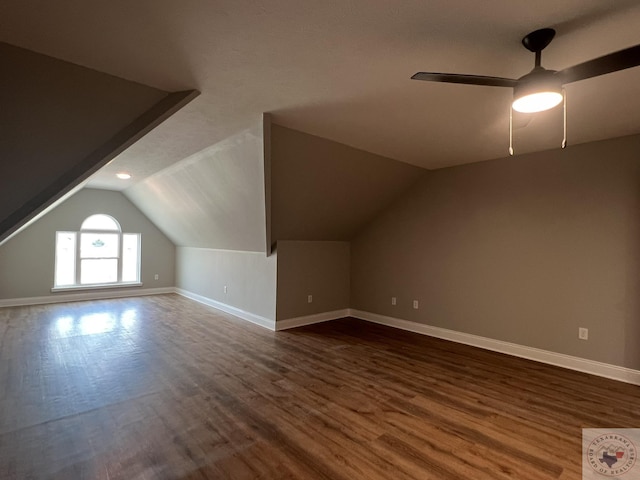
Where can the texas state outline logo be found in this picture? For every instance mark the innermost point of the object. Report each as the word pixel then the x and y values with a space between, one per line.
pixel 610 453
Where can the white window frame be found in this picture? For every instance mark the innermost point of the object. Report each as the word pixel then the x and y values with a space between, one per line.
pixel 78 259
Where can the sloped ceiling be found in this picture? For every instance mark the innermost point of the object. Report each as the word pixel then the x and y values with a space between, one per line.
pixel 61 122
pixel 323 190
pixel 340 69
pixel 213 199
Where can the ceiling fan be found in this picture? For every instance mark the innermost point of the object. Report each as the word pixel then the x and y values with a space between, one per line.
pixel 541 89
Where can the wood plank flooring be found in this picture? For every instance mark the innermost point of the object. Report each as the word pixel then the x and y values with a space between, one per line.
pixel 164 388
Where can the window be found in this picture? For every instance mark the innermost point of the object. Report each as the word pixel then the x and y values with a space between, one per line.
pixel 99 254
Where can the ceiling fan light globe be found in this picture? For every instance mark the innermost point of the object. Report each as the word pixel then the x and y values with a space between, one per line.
pixel 537 102
pixel 537 91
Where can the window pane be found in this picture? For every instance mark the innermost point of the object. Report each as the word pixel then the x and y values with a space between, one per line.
pixel 65 258
pixel 100 222
pixel 103 270
pixel 98 245
pixel 130 257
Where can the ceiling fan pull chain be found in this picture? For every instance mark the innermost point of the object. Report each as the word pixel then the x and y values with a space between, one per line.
pixel 564 117
pixel 511 131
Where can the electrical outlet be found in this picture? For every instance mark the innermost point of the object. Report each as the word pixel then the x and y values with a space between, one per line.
pixel 583 333
pixel 156 276
pixel 415 304
pixel 393 300
pixel 225 289
pixel 309 298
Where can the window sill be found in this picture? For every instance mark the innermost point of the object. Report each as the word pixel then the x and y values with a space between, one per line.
pixel 76 288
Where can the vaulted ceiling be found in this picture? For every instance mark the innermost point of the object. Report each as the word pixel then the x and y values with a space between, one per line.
pixel 340 69
pixel 61 123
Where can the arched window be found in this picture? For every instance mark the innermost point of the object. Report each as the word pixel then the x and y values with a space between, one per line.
pixel 98 254
pixel 100 222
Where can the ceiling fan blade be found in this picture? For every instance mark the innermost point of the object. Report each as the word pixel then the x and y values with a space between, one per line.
pixel 620 60
pixel 465 79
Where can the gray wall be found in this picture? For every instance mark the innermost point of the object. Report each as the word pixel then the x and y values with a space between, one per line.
pixel 54 115
pixel 323 190
pixel 524 249
pixel 250 278
pixel 27 259
pixel 213 199
pixel 306 268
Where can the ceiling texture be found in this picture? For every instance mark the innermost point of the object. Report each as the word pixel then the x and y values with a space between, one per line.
pixel 340 69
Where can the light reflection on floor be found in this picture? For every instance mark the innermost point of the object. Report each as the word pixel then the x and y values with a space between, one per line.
pixel 108 335
pixel 94 323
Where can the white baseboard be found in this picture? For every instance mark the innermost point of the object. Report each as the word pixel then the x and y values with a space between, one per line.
pixel 600 369
pixel 311 319
pixel 248 316
pixel 83 296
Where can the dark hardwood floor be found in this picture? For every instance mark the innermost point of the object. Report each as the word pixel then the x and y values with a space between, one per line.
pixel 162 387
